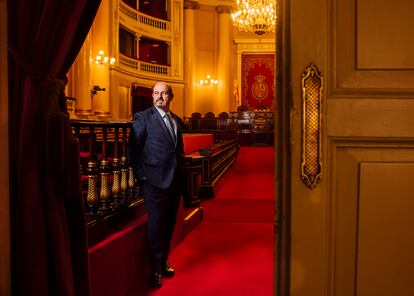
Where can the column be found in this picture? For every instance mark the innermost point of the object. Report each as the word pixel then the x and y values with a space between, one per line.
pixel 82 80
pixel 224 93
pixel 189 57
pixel 176 47
pixel 136 45
pixel 100 71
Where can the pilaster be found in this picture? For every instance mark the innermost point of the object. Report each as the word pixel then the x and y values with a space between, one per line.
pixel 223 59
pixel 189 54
pixel 82 80
pixel 100 72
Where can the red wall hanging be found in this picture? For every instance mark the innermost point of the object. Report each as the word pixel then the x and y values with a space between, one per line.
pixel 258 81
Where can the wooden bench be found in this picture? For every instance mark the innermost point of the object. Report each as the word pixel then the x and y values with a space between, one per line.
pixel 193 167
pixel 213 161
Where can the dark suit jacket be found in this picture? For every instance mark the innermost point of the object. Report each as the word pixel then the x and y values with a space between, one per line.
pixel 151 149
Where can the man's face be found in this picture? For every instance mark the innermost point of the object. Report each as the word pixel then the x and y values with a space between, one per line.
pixel 160 96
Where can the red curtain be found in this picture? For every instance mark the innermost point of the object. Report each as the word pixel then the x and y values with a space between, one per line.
pixel 49 247
pixel 258 81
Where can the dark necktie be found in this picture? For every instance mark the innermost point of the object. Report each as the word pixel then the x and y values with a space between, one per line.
pixel 169 125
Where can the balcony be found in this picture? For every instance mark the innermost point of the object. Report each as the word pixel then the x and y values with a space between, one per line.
pixel 144 24
pixel 144 68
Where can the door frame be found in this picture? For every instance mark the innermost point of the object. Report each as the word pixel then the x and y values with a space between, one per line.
pixel 282 152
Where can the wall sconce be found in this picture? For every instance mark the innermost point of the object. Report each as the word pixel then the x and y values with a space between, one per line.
pixel 208 81
pixel 102 59
pixel 97 88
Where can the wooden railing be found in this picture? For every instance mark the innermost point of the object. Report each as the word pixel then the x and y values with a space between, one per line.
pixel 108 182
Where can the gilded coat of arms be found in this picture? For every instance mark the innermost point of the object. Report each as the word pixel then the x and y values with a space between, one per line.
pixel 260 88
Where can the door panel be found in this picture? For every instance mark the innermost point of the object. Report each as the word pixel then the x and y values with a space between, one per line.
pixel 381 46
pixel 385 240
pixel 368 53
pixel 351 234
pixel 370 218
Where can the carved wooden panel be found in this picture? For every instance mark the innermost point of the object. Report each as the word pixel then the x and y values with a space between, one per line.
pixel 368 55
pixel 370 234
pixel 379 45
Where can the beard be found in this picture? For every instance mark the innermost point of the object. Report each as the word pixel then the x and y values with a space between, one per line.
pixel 161 103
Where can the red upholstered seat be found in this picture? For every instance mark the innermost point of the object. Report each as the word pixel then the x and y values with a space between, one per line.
pixel 193 142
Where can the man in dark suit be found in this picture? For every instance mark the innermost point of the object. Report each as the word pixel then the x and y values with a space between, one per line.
pixel 156 150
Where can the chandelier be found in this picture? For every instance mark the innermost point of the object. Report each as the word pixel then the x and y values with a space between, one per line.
pixel 256 16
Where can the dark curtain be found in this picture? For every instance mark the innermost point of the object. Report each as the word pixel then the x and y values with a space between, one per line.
pixel 48 226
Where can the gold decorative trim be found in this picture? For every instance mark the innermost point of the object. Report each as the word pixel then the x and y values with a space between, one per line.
pixel 103 114
pixel 311 167
pixel 224 9
pixel 188 4
pixel 83 112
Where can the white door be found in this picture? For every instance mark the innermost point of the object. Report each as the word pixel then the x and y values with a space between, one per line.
pixel 352 234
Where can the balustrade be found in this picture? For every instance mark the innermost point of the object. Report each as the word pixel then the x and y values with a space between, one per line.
pixel 144 67
pixel 109 185
pixel 128 11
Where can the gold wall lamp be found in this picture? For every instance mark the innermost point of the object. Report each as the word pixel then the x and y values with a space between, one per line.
pixel 208 81
pixel 102 59
pixel 311 166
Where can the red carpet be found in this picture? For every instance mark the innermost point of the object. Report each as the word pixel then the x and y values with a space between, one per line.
pixel 231 251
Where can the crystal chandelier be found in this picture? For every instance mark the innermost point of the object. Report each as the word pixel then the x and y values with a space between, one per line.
pixel 256 16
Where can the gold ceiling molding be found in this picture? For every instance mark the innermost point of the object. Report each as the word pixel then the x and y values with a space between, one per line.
pixel 255 45
pixel 311 166
pixel 231 3
pixel 224 9
pixel 188 4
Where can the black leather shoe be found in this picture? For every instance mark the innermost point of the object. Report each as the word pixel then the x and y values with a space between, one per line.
pixel 168 271
pixel 155 279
